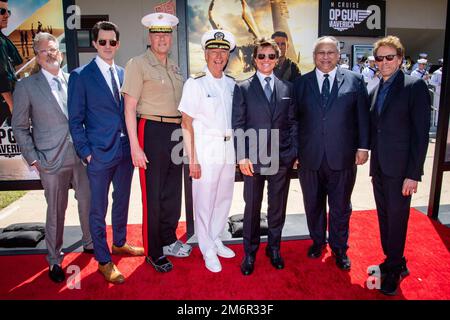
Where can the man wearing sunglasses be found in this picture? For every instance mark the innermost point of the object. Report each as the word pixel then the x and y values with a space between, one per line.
pixel 97 124
pixel 208 140
pixel 152 91
pixel 400 121
pixel 333 138
pixel 265 129
pixel 285 69
pixel 40 102
pixel 9 59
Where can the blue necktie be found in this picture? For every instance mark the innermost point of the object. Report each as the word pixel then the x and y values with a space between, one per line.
pixel 114 86
pixel 267 89
pixel 325 90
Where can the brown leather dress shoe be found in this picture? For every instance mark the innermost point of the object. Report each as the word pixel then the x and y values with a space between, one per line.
pixel 128 249
pixel 111 273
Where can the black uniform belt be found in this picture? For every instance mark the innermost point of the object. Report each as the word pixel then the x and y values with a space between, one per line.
pixel 165 119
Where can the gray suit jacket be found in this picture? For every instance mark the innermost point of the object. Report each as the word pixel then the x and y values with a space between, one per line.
pixel 36 107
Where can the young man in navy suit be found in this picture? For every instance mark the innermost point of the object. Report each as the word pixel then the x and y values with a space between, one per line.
pixel 332 108
pixel 265 129
pixel 97 125
pixel 399 122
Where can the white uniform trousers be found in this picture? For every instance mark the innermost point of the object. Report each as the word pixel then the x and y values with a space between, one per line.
pixel 212 195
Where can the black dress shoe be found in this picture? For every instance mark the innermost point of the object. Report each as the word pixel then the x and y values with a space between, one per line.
pixel 162 264
pixel 56 273
pixel 275 258
pixel 390 283
pixel 404 271
pixel 342 260
pixel 315 250
pixel 247 265
pixel 88 251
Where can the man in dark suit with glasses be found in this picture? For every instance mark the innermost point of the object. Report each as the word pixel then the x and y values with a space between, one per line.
pixel 399 122
pixel 265 129
pixel 333 138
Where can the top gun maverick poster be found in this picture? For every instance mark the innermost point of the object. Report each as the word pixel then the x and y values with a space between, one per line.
pixel 28 17
pixel 363 18
pixel 249 20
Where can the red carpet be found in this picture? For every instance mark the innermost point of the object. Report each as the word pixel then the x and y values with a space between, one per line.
pixel 427 251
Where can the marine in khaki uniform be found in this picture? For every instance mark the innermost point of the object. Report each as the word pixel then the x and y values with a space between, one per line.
pixel 152 90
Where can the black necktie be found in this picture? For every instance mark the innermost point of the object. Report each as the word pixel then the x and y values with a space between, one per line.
pixel 325 90
pixel 114 86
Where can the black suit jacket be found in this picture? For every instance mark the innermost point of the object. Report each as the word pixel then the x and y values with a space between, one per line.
pixel 251 110
pixel 400 132
pixel 337 130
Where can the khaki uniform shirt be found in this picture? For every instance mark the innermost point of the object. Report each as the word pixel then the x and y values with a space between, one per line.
pixel 156 87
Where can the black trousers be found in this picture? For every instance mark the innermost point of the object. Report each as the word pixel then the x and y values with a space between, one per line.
pixel 161 186
pixel 276 215
pixel 337 186
pixel 393 214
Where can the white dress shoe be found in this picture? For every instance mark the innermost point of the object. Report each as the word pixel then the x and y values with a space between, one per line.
pixel 223 251
pixel 212 263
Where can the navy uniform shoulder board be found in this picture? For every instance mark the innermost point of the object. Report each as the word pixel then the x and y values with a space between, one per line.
pixel 199 75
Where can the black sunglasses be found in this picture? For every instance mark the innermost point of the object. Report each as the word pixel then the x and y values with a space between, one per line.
pixel 388 57
pixel 3 11
pixel 112 43
pixel 271 56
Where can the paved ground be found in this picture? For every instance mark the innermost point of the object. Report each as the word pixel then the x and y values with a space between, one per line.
pixel 32 207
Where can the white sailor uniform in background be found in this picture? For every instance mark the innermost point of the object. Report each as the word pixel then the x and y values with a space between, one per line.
pixel 209 102
pixel 436 80
pixel 370 78
pixel 421 56
pixel 419 74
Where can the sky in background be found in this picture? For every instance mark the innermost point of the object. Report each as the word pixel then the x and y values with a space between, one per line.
pixel 303 24
pixel 21 10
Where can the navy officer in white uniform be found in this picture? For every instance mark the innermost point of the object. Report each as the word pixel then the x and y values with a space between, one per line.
pixel 206 107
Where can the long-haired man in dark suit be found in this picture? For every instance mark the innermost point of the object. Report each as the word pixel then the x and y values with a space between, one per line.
pixel 400 121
